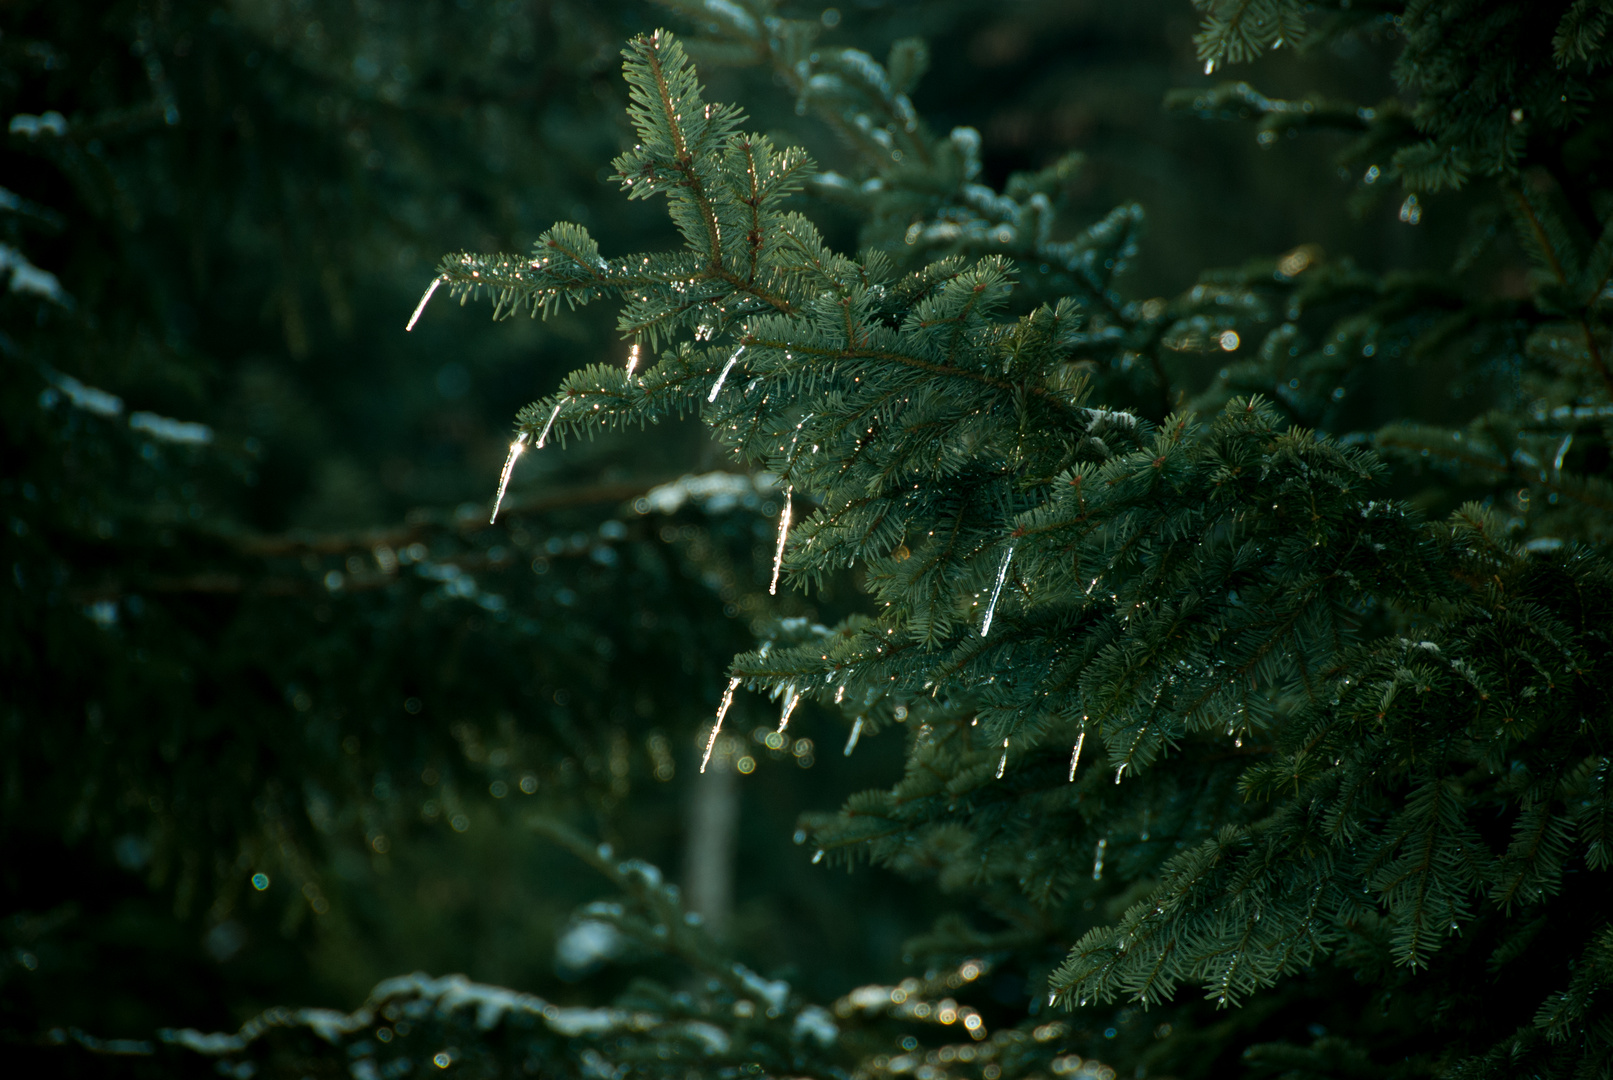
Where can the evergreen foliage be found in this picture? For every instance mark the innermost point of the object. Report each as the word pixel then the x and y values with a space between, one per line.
pixel 1253 719
pixel 1351 739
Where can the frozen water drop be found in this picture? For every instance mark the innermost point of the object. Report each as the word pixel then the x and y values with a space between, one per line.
pixel 783 535
pixel 1075 755
pixel 722 378
pixel 543 436
pixel 504 477
pixel 996 591
pixel 420 308
pixel 722 710
pixel 856 733
pixel 791 699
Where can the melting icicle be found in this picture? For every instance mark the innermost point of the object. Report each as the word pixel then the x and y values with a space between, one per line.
pixel 1075 755
pixel 544 434
pixel 783 534
pixel 717 387
pixel 1097 860
pixel 504 477
pixel 420 308
pixel 996 591
pixel 791 699
pixel 1003 763
pixel 856 733
pixel 632 358
pixel 722 711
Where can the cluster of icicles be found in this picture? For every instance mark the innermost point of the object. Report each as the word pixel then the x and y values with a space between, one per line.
pixel 792 696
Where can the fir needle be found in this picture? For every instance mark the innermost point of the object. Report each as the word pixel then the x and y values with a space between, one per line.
pixel 544 435
pixel 424 300
pixel 717 388
pixel 791 699
pixel 504 478
pixel 783 534
pixel 996 591
pixel 1075 755
pixel 856 733
pixel 722 710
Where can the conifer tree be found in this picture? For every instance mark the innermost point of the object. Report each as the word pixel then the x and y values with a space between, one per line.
pixel 1247 731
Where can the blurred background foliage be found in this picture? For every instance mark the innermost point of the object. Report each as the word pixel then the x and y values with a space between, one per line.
pixel 277 697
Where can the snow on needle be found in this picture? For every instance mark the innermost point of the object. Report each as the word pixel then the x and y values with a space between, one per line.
pixel 783 535
pixel 544 434
pixel 717 387
pixel 424 300
pixel 504 477
pixel 1075 755
pixel 722 711
pixel 996 591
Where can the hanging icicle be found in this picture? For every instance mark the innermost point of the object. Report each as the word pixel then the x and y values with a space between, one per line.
pixel 632 358
pixel 722 711
pixel 504 477
pixel 792 698
pixel 783 535
pixel 544 434
pixel 717 387
pixel 420 308
pixel 1002 765
pixel 840 693
pixel 856 733
pixel 996 591
pixel 1097 860
pixel 1075 755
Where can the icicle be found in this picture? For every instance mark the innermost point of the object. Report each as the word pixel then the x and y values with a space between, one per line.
pixel 791 699
pixel 632 358
pixel 544 435
pixel 817 858
pixel 722 711
pixel 1118 772
pixel 717 387
pixel 840 693
pixel 424 300
pixel 996 591
pixel 1209 66
pixel 1562 452
pixel 783 534
pixel 1097 860
pixel 1002 765
pixel 856 733
pixel 1075 755
pixel 504 477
